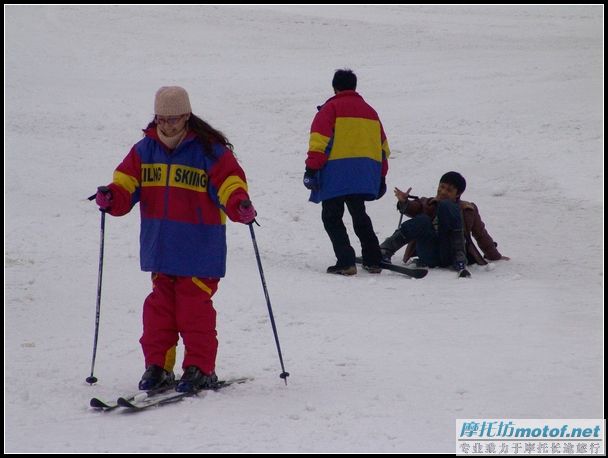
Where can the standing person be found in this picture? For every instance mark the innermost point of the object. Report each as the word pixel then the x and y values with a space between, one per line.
pixel 186 179
pixel 347 164
pixel 441 228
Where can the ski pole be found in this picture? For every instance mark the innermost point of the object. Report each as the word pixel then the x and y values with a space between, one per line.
pixel 401 217
pixel 284 374
pixel 92 379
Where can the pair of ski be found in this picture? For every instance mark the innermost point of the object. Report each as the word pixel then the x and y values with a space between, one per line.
pixel 159 396
pixel 414 272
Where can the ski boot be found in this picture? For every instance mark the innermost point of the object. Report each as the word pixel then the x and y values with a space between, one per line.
pixel 194 380
pixel 155 377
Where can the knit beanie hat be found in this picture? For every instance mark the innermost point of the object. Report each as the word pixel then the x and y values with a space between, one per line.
pixel 456 180
pixel 171 101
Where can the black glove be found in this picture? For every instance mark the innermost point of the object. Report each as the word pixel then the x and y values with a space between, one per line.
pixel 311 179
pixel 382 189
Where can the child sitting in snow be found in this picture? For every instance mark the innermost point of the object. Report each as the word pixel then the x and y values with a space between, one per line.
pixel 441 227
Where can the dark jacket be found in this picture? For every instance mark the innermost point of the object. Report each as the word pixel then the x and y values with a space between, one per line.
pixel 473 228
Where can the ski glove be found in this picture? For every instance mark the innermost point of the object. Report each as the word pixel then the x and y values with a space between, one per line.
pixel 246 212
pixel 382 189
pixel 311 179
pixel 103 198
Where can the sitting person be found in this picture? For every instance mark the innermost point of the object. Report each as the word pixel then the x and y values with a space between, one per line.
pixel 441 227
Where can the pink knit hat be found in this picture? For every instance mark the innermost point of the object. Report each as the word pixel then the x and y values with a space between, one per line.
pixel 171 101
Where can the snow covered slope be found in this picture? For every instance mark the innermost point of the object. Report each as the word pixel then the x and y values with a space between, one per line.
pixel 510 96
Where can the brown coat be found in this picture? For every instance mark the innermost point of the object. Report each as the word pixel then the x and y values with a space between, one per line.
pixel 473 228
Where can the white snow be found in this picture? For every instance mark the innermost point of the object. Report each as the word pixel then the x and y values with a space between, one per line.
pixel 510 96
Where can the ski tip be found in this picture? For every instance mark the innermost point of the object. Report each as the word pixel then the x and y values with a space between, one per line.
pixel 96 403
pixel 415 273
pixel 123 402
pixel 421 274
pixel 99 404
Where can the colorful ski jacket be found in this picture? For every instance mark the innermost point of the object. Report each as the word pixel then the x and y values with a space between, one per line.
pixel 349 148
pixel 184 196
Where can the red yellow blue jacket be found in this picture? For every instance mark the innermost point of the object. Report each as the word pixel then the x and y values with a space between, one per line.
pixel 184 196
pixel 349 148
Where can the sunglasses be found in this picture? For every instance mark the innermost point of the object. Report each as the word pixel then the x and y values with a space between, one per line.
pixel 171 120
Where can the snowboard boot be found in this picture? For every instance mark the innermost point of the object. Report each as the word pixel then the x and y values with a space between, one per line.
pixel 459 256
pixel 392 244
pixel 194 380
pixel 342 270
pixel 155 377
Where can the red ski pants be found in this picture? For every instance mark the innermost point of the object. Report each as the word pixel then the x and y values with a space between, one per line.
pixel 180 306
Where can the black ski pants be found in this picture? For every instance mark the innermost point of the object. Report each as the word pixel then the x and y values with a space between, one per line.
pixel 333 211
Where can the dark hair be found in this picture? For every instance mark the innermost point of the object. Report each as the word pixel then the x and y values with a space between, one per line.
pixel 206 134
pixel 456 180
pixel 344 80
